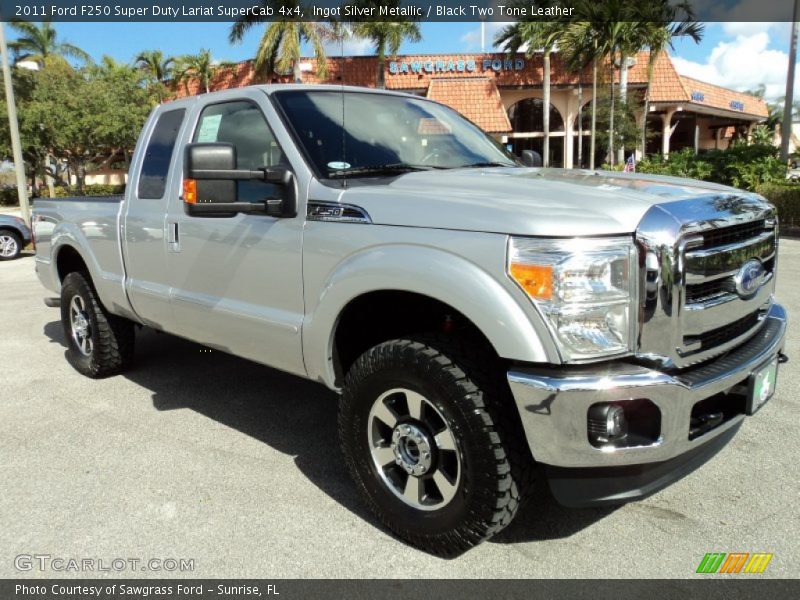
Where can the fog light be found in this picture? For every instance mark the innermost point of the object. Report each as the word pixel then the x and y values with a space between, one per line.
pixel 606 423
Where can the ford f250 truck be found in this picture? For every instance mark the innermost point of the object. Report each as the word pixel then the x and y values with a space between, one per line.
pixel 478 316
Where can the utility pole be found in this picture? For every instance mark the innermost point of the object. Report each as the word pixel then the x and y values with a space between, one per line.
pixel 786 126
pixel 16 147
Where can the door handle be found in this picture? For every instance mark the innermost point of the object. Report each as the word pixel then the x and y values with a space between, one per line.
pixel 173 237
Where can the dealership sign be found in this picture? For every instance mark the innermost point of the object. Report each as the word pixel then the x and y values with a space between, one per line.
pixel 457 66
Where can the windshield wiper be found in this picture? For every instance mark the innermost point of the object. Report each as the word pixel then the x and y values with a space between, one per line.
pixel 390 169
pixel 485 164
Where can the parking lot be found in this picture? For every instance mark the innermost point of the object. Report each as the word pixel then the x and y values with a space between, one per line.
pixel 198 455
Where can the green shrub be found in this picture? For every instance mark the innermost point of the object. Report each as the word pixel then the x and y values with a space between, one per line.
pixel 8 197
pixel 786 198
pixel 98 189
pixel 741 166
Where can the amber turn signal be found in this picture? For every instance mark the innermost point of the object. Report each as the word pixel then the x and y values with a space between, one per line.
pixel 190 191
pixel 536 280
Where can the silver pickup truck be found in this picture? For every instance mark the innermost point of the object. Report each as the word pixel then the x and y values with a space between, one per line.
pixel 478 316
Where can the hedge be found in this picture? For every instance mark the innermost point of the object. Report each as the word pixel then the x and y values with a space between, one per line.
pixel 786 197
pixel 8 196
pixel 98 189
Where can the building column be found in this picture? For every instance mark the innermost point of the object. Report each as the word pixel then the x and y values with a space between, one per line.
pixel 666 130
pixel 750 129
pixel 696 136
pixel 569 141
pixel 717 137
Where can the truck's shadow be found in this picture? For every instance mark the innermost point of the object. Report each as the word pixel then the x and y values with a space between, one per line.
pixel 294 416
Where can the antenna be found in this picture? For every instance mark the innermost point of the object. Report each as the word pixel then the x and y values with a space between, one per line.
pixel 341 78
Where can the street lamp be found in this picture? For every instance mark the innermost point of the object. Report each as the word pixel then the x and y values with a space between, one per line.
pixel 16 147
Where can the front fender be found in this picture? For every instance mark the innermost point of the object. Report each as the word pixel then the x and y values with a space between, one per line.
pixel 438 274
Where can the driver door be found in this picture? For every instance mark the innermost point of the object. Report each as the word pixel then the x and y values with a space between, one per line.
pixel 238 280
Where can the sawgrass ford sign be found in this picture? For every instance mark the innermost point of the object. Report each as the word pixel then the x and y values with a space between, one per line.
pixel 467 65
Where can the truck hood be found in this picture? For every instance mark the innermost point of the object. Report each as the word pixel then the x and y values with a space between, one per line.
pixel 523 201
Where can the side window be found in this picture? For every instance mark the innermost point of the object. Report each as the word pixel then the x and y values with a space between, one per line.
pixel 158 154
pixel 243 125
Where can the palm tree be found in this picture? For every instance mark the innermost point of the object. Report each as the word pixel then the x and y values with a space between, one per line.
pixel 200 66
pixel 157 66
pixel 37 43
pixel 386 36
pixel 280 47
pixel 535 36
pixel 663 23
pixel 158 69
pixel 584 43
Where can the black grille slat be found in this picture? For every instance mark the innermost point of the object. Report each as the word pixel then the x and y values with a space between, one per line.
pixel 721 335
pixel 707 290
pixel 733 233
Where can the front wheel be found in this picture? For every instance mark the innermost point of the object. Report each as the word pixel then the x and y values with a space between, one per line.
pixel 427 434
pixel 98 343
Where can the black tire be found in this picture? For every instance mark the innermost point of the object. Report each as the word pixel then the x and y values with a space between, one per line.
pixel 17 241
pixel 467 387
pixel 109 339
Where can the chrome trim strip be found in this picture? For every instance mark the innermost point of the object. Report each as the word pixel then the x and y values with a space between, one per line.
pixel 553 407
pixel 707 252
pixel 705 263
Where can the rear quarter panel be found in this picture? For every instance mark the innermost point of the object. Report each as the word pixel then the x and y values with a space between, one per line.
pixel 89 226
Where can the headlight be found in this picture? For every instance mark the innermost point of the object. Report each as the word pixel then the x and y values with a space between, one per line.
pixel 583 288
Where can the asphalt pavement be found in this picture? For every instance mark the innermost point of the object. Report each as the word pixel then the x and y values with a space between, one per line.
pixel 201 456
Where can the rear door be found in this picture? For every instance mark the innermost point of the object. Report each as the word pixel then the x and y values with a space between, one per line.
pixel 145 235
pixel 238 280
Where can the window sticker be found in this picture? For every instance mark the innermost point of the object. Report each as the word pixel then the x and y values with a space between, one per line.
pixel 338 165
pixel 209 128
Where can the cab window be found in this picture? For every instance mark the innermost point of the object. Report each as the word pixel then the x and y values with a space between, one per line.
pixel 243 124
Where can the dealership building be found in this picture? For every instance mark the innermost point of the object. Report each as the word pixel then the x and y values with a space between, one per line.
pixel 503 95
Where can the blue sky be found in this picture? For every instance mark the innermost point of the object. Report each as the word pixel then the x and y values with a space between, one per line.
pixel 738 55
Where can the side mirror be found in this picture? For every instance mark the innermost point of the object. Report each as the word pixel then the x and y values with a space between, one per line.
pixel 209 185
pixel 531 158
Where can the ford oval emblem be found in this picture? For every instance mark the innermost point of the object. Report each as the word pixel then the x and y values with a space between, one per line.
pixel 749 278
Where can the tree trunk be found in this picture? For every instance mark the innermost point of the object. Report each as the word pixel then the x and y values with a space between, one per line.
pixel 51 188
pixel 580 126
pixel 610 156
pixel 381 80
pixel 623 98
pixel 297 74
pixel 593 132
pixel 546 110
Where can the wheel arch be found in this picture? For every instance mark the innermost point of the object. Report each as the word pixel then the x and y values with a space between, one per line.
pixel 395 282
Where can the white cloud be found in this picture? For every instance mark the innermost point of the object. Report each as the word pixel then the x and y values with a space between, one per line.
pixel 351 47
pixel 472 39
pixel 742 63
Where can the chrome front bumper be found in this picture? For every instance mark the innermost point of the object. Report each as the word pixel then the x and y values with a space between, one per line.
pixel 553 403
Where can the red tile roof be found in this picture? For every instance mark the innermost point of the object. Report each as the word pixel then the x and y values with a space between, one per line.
pixel 667 85
pixel 477 98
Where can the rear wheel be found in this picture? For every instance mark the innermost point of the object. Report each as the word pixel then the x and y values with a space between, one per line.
pixel 425 433
pixel 98 343
pixel 10 245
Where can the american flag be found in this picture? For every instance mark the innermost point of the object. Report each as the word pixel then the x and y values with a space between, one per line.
pixel 630 165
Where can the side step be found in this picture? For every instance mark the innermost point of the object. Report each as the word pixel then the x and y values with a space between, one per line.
pixel 52 302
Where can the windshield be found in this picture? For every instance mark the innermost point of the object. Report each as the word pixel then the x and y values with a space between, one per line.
pixel 384 134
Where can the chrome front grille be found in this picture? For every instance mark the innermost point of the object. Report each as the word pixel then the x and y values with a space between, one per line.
pixel 693 253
